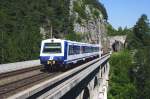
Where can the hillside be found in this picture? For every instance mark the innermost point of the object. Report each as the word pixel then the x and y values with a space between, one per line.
pixel 130 69
pixel 25 23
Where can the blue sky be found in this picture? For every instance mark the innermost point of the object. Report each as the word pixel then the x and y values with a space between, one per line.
pixel 126 12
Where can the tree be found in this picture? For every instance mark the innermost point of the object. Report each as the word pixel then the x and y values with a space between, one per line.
pixel 121 86
pixel 110 30
pixel 139 42
pixel 141 34
pixel 120 31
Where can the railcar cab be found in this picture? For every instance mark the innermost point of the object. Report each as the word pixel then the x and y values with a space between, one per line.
pixel 52 52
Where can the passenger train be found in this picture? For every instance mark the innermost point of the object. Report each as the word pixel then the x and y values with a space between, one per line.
pixel 60 53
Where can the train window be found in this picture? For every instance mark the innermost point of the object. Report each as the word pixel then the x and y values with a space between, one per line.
pixel 52 48
pixel 76 49
pixel 81 49
pixel 85 49
pixel 73 49
pixel 96 49
pixel 71 52
pixel 88 49
pixel 92 49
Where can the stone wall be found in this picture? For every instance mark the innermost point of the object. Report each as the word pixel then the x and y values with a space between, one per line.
pixel 117 42
pixel 92 28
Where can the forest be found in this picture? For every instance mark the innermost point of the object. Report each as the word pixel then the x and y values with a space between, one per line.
pixel 130 69
pixel 118 32
pixel 20 26
pixel 20 23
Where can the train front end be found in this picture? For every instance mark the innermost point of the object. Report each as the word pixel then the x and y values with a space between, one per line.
pixel 52 53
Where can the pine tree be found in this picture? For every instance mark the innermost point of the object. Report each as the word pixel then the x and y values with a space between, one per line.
pixel 142 31
pixel 140 41
pixel 141 34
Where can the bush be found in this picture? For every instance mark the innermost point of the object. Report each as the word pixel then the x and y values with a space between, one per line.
pixel 73 37
pixel 121 86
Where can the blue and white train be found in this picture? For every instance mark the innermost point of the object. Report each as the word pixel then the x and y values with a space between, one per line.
pixel 60 53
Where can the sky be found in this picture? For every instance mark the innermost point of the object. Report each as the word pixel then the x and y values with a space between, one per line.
pixel 126 12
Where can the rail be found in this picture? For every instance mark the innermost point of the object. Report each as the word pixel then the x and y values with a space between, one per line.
pixel 56 87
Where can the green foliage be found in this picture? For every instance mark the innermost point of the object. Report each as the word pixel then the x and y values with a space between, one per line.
pixel 19 29
pixel 142 30
pixel 139 44
pixel 20 26
pixel 74 37
pixel 80 8
pixel 101 7
pixel 121 86
pixel 96 13
pixel 142 73
pixel 20 22
pixel 79 20
pixel 113 32
pixel 59 17
pixel 141 34
pixel 97 5
pixel 130 75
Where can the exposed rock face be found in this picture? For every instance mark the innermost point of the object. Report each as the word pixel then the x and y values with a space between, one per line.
pixel 92 28
pixel 87 20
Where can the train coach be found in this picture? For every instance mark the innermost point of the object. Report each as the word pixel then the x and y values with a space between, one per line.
pixel 57 53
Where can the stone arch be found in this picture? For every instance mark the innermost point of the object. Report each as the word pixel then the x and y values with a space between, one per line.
pixel 117 42
pixel 117 46
pixel 86 94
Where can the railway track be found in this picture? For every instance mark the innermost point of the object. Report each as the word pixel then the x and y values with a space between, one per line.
pixel 13 82
pixel 13 73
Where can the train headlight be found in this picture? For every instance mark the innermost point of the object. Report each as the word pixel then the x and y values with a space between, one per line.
pixel 53 62
pixel 48 62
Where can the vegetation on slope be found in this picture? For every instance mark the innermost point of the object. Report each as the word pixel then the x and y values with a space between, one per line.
pixel 80 8
pixel 20 23
pixel 117 32
pixel 20 26
pixel 130 71
pixel 121 86
pixel 140 37
pixel 139 43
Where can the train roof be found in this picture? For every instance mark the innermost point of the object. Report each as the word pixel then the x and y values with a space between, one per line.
pixel 47 40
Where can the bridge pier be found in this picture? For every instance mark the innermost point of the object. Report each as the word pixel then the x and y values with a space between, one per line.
pixel 97 87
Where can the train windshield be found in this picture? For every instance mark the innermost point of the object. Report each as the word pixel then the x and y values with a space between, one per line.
pixel 52 48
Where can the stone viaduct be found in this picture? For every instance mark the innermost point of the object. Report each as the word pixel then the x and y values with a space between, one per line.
pixel 117 42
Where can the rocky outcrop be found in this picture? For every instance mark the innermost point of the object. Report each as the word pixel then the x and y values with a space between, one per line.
pixel 87 18
pixel 89 23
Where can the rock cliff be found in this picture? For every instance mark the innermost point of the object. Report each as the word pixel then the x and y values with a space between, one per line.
pixel 86 18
